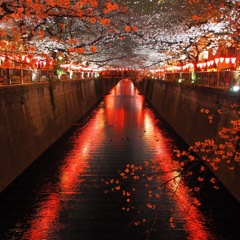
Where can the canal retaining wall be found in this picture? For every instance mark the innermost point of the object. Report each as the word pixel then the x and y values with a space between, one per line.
pixel 34 116
pixel 180 105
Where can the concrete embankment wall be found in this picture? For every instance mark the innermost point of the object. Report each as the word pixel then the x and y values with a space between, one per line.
pixel 181 107
pixel 34 116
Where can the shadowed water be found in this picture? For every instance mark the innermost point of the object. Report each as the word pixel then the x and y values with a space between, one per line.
pixel 74 191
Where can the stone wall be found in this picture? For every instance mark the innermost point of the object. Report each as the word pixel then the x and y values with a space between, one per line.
pixel 181 105
pixel 34 116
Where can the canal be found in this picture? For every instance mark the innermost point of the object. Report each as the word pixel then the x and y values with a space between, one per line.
pixel 109 177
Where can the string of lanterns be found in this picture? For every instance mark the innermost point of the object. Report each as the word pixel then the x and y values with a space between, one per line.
pixel 227 60
pixel 14 61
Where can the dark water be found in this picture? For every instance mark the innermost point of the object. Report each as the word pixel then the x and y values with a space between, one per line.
pixel 109 178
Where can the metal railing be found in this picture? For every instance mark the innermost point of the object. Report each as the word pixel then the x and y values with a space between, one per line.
pixel 13 76
pixel 222 79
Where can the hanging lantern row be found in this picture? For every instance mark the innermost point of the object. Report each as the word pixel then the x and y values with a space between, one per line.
pixel 216 61
pixel 181 68
pixel 227 60
pixel 124 69
pixel 187 66
pixel 205 64
pixel 39 63
pixel 6 60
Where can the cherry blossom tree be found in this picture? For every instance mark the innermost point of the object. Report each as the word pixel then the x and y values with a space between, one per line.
pixel 182 29
pixel 119 33
pixel 75 28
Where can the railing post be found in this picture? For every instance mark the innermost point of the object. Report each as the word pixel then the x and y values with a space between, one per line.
pixel 218 80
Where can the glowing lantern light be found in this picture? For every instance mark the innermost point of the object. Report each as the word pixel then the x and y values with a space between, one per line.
pixel 212 62
pixel 221 59
pixel 233 60
pixel 204 64
pixel 216 61
pixel 208 64
pixel 227 60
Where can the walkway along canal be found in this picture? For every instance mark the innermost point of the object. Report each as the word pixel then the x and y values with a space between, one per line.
pixel 89 185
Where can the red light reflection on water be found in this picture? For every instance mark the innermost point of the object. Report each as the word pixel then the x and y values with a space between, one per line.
pixel 123 104
pixel 44 218
pixel 185 211
pixel 118 113
pixel 75 164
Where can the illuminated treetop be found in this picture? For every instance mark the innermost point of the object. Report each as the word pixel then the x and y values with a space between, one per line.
pixel 119 33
